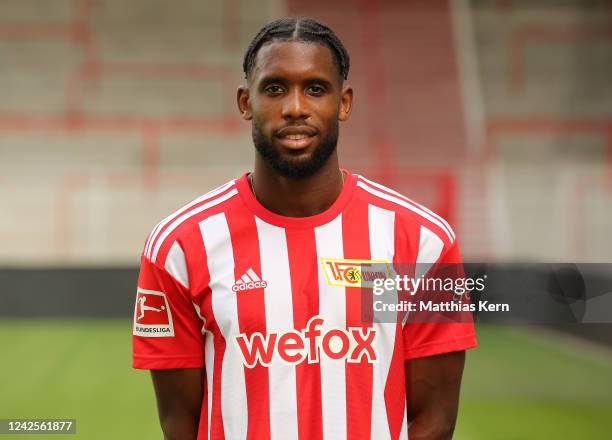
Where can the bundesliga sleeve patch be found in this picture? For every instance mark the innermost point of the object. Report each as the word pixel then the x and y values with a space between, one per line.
pixel 152 317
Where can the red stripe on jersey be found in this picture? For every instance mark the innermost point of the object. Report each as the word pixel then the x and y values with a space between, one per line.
pixel 356 241
pixel 199 277
pixel 407 245
pixel 395 400
pixel 303 266
pixel 251 317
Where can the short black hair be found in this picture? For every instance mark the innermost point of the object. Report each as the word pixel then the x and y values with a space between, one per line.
pixel 298 29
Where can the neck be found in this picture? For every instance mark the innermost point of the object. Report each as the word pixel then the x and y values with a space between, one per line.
pixel 297 197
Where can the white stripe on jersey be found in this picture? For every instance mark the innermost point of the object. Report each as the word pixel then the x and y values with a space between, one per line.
pixel 417 205
pixel 431 217
pixel 175 224
pixel 332 305
pixel 220 259
pixel 279 318
pixel 381 224
pixel 176 266
pixel 430 248
pixel 168 219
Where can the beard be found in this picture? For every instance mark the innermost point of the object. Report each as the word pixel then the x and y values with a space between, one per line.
pixel 295 167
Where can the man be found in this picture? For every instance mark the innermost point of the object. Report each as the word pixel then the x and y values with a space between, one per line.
pixel 261 338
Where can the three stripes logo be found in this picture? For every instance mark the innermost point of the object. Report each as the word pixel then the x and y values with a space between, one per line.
pixel 249 280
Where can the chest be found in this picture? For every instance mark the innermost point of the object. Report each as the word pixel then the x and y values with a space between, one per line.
pixel 270 279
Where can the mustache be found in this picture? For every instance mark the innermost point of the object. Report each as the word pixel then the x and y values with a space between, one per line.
pixel 288 129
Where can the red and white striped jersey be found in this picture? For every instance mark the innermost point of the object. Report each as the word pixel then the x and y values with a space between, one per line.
pixel 230 286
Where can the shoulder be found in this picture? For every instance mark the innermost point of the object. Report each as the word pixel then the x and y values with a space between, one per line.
pixel 411 218
pixel 167 235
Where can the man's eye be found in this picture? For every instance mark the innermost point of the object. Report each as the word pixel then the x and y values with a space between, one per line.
pixel 316 90
pixel 274 90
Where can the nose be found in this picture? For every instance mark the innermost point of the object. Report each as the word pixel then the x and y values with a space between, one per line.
pixel 295 105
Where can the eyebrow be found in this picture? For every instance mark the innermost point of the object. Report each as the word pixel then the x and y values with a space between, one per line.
pixel 283 80
pixel 272 79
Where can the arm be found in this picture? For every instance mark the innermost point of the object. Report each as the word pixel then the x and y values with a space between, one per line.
pixel 179 395
pixel 432 395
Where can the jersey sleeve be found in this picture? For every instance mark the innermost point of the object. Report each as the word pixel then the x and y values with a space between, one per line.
pixel 167 331
pixel 436 333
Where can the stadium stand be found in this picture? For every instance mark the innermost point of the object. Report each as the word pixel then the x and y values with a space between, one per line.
pixel 496 114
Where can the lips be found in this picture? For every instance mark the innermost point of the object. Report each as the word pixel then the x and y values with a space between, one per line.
pixel 296 137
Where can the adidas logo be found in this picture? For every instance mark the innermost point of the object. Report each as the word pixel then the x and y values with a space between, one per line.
pixel 249 280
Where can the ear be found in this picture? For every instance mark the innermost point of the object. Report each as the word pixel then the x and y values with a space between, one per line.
pixel 244 104
pixel 346 103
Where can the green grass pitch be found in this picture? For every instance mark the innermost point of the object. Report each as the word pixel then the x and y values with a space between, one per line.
pixel 517 384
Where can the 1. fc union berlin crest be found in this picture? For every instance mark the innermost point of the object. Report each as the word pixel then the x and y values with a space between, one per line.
pixel 354 272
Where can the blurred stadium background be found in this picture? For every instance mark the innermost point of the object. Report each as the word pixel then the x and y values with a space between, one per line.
pixel 497 114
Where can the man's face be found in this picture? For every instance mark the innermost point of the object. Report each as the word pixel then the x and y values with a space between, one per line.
pixel 295 99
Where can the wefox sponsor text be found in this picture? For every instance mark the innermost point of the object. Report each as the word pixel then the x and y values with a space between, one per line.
pixel 354 344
